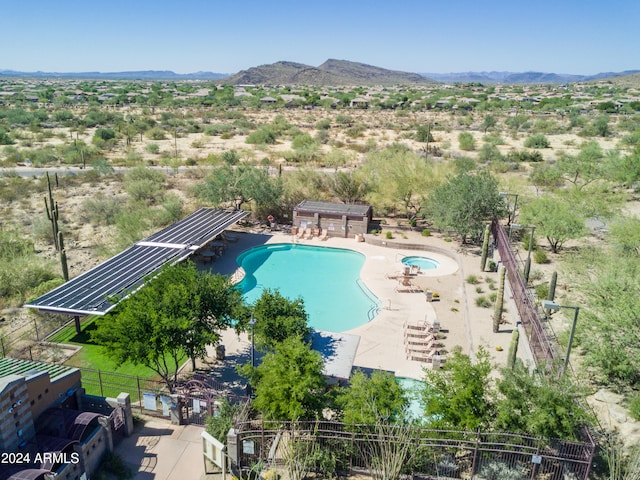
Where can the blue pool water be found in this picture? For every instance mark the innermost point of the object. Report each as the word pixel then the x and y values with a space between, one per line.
pixel 425 263
pixel 412 389
pixel 327 279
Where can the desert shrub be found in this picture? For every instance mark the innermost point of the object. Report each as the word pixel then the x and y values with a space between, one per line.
pixel 230 157
pixel 133 157
pixel 45 287
pixel 101 210
pixel 20 269
pixel 155 133
pixel 15 188
pixel 389 235
pixel 337 158
pixel 218 129
pixel 152 148
pixel 472 279
pixel 466 141
pixel 479 289
pixel 5 139
pixel 483 301
pixel 494 140
pixel 104 134
pixel 634 406
pixel 489 153
pixel 542 291
pixel 537 141
pixel 344 119
pixel 323 124
pixel 131 226
pixel 356 131
pixel 525 156
pixel 262 136
pixel 322 136
pixel 144 184
pixel 170 211
pixel 464 164
pixel 630 139
pixel 426 232
pixel 540 256
pixel 423 134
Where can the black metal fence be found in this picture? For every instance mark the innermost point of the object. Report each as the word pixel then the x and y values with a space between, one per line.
pixel 431 454
pixel 542 340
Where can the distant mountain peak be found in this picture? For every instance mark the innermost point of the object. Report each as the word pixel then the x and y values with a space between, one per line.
pixel 331 72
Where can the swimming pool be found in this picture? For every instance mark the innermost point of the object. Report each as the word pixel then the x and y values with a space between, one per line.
pixel 425 263
pixel 327 279
pixel 413 388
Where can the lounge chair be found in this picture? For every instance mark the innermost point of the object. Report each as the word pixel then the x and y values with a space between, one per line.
pixel 425 356
pixel 324 235
pixel 308 233
pixel 300 233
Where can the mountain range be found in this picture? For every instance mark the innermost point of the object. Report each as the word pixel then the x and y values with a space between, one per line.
pixel 331 72
pixel 522 77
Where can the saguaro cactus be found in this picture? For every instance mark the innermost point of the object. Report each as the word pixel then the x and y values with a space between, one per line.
pixel 63 258
pixel 552 286
pixel 51 208
pixel 485 249
pixel 513 349
pixel 497 314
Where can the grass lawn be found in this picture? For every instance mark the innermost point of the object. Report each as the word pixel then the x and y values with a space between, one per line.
pixel 94 356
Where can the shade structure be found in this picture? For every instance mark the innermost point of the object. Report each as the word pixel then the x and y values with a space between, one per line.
pixel 98 290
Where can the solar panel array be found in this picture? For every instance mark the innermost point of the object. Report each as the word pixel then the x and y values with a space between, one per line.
pixel 98 290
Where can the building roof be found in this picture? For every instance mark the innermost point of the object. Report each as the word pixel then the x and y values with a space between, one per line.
pixel 338 352
pixel 313 206
pixel 97 291
pixel 27 369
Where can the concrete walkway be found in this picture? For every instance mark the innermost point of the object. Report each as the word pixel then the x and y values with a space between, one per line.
pixel 160 451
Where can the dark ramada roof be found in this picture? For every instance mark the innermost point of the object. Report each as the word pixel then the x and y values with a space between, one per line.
pixel 312 206
pixel 98 290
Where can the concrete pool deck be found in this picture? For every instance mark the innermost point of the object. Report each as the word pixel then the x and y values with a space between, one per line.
pixel 381 343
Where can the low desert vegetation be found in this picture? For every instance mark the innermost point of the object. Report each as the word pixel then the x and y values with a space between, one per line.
pixel 439 166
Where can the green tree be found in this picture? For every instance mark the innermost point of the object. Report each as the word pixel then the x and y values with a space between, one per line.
pixel 488 122
pixel 368 399
pixel 288 384
pixel 465 203
pixel 278 318
pixel 539 403
pixel 555 218
pixel 459 394
pixel 349 187
pixel 400 177
pixel 584 168
pixel 240 184
pixel 178 312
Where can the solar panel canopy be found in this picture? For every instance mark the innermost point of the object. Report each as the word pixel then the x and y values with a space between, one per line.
pixel 98 290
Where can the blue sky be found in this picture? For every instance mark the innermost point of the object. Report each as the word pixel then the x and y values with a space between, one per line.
pixel 561 36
